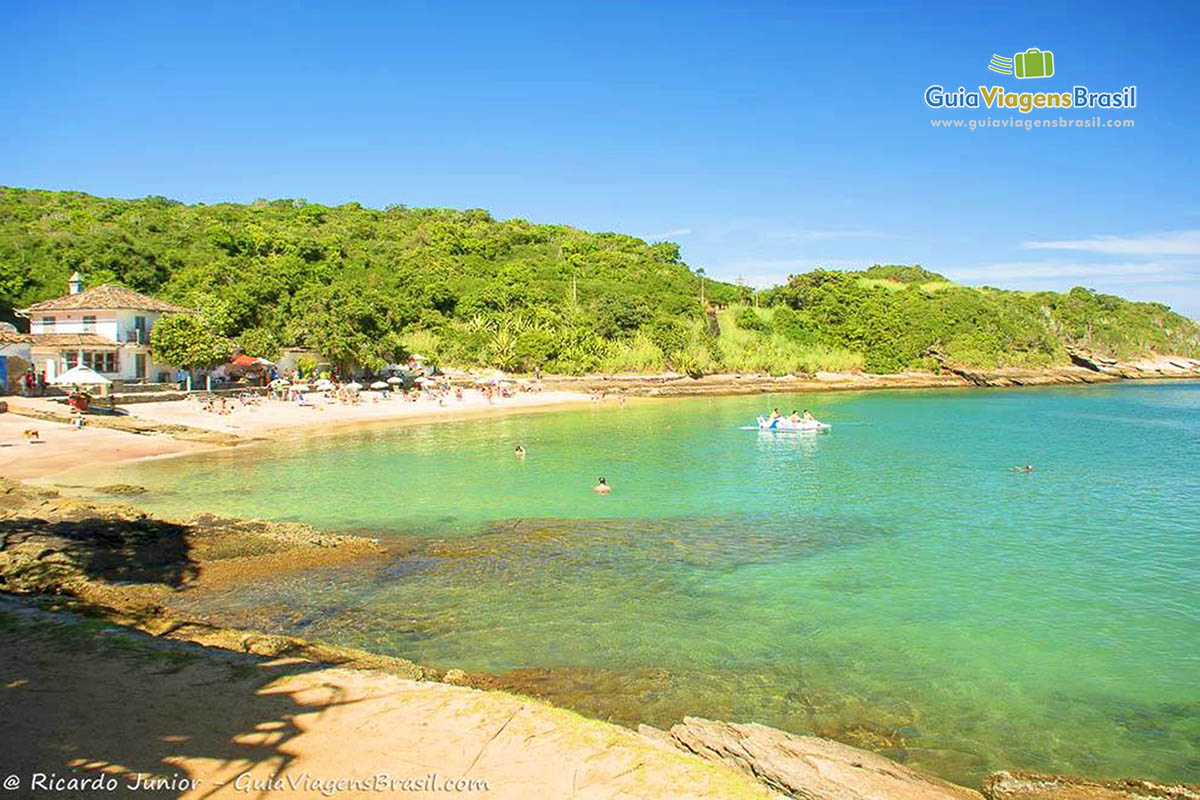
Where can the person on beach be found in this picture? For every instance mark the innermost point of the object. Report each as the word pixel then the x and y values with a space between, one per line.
pixel 602 487
pixel 519 452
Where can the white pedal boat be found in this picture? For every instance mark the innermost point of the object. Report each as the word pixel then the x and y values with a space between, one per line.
pixel 785 424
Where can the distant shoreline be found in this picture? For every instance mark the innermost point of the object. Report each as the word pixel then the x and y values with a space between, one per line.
pixel 1089 369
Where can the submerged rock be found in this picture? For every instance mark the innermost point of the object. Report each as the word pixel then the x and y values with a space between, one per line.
pixel 1031 786
pixel 121 488
pixel 809 767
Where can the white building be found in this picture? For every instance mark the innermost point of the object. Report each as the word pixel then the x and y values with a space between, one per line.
pixel 106 328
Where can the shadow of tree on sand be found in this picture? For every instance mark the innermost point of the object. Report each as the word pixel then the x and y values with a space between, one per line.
pixel 83 700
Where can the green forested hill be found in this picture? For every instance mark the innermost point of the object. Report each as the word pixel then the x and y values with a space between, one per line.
pixel 364 285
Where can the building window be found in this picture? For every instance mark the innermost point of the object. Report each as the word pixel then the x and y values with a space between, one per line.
pixel 101 361
pixel 47 324
pixel 89 323
pixel 71 358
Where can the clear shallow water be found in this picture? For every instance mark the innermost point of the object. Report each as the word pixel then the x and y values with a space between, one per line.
pixel 891 583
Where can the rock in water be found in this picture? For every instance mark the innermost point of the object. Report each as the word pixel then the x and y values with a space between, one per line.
pixel 809 767
pixel 1030 786
pixel 121 488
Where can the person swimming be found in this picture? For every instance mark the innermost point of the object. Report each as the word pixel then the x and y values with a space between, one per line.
pixel 808 416
pixel 795 417
pixel 602 487
pixel 1026 468
pixel 774 415
pixel 519 451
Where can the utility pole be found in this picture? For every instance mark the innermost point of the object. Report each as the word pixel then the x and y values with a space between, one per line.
pixel 700 272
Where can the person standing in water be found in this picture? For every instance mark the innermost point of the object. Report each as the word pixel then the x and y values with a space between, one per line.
pixel 602 487
pixel 519 452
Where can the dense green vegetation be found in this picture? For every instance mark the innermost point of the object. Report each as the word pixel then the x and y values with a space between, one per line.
pixel 363 286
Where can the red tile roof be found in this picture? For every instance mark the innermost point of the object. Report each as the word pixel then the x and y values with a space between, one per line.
pixel 71 340
pixel 8 337
pixel 104 297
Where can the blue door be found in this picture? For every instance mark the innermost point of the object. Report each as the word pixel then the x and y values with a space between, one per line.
pixel 3 374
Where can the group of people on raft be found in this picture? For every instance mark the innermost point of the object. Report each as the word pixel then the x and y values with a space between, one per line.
pixel 793 417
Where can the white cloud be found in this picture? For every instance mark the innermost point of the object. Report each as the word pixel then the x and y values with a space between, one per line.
pixel 1064 272
pixel 671 234
pixel 1171 243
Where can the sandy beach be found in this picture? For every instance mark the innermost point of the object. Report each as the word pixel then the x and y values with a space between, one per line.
pixel 271 417
pixel 60 447
pixel 157 430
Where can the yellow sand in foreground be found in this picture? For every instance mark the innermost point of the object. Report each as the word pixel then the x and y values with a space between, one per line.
pixel 235 728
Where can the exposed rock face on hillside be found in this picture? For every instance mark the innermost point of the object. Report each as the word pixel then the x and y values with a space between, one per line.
pixel 805 766
pixel 1149 367
pixel 1030 786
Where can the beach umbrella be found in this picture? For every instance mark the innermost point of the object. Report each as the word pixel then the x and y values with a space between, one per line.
pixel 424 381
pixel 377 385
pixel 394 380
pixel 81 375
pixel 279 383
pixel 324 383
pixel 300 387
pixel 354 386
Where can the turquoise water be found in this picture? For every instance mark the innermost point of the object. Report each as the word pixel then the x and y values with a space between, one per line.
pixel 890 583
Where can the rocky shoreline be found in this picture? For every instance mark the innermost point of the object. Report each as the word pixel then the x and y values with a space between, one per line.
pixel 117 564
pixel 1086 368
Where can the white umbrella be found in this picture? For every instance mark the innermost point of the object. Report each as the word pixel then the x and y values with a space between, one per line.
pixel 354 386
pixel 394 380
pixel 299 387
pixel 81 375
pixel 424 381
pixel 377 385
pixel 324 383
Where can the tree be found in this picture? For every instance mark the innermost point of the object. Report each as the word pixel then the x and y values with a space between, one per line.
pixel 188 341
pixel 259 342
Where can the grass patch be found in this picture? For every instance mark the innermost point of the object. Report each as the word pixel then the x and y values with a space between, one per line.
pixel 741 350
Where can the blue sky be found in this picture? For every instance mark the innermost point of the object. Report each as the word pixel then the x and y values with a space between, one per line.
pixel 765 138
